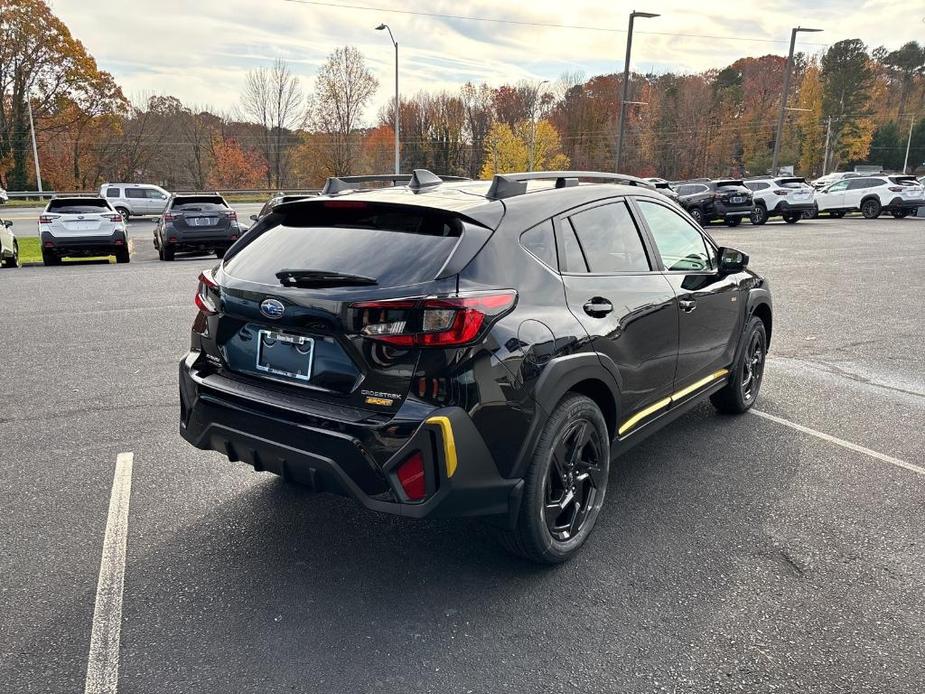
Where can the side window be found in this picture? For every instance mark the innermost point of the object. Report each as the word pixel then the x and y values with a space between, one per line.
pixel 858 183
pixel 112 192
pixel 609 239
pixel 838 187
pixel 153 194
pixel 570 256
pixel 680 245
pixel 757 186
pixel 541 242
pixel 134 193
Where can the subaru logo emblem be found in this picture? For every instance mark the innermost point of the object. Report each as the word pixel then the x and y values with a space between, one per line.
pixel 272 308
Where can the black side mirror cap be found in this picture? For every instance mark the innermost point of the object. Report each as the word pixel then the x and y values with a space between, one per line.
pixel 732 260
pixel 253 218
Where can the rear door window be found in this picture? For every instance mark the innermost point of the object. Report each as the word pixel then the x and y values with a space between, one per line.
pixel 152 194
pixel 757 186
pixel 135 193
pixel 396 246
pixel 858 183
pixel 112 192
pixel 609 239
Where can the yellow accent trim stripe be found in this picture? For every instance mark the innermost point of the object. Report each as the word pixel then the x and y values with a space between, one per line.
pixel 449 443
pixel 674 397
pixel 642 414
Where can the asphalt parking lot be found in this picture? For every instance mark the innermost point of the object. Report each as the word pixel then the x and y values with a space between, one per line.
pixel 733 554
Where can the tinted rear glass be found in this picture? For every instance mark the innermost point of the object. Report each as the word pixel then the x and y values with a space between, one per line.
pixel 730 184
pixel 201 203
pixel 905 180
pixel 394 245
pixel 78 206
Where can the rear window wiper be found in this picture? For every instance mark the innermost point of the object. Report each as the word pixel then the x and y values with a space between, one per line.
pixel 322 278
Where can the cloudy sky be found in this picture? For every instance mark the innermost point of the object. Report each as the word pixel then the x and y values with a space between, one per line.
pixel 200 50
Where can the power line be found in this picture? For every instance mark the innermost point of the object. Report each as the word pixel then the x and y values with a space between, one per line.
pixel 546 25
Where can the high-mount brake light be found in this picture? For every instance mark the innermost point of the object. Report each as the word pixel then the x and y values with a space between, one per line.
pixel 433 322
pixel 204 301
pixel 342 204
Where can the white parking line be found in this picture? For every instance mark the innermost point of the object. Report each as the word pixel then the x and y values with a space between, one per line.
pixel 103 661
pixel 841 442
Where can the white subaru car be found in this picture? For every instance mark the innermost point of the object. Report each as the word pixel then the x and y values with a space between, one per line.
pixel 9 246
pixel 872 195
pixel 788 197
pixel 82 227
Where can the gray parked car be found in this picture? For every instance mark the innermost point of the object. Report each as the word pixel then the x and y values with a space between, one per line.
pixel 135 199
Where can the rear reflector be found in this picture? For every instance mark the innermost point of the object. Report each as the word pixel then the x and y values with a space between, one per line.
pixel 411 476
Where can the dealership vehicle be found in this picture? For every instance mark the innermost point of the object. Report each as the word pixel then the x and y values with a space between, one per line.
pixel 278 199
pixel 9 246
pixel 833 177
pixel 196 223
pixel 135 199
pixel 664 187
pixel 872 195
pixel 786 196
pixel 470 349
pixel 81 227
pixel 725 199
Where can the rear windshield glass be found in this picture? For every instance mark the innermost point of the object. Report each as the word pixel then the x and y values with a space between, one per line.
pixel 791 182
pixel 905 180
pixel 78 206
pixel 205 203
pixel 395 246
pixel 730 184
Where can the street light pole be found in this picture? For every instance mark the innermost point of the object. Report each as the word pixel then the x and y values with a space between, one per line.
pixel 626 82
pixel 536 96
pixel 908 144
pixel 783 97
pixel 397 103
pixel 35 149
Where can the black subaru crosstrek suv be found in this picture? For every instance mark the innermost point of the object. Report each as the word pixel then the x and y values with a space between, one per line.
pixel 725 199
pixel 470 349
pixel 195 223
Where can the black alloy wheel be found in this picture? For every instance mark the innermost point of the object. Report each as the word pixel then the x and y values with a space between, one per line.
pixel 733 221
pixel 746 374
pixel 837 214
pixel 752 367
pixel 900 214
pixel 760 215
pixel 570 488
pixel 870 209
pixel 793 217
pixel 696 214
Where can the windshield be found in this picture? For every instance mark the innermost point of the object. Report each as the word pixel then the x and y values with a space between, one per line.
pixel 78 206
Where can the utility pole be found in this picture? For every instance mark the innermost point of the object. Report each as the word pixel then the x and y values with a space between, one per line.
pixel 35 149
pixel 828 135
pixel 397 103
pixel 908 144
pixel 626 83
pixel 783 97
pixel 536 96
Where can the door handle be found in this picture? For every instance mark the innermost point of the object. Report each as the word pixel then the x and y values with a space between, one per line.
pixel 687 305
pixel 597 307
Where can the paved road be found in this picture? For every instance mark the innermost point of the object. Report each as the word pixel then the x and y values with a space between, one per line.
pixel 733 554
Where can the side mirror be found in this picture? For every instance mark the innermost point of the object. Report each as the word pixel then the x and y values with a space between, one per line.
pixel 732 261
pixel 8 224
pixel 253 218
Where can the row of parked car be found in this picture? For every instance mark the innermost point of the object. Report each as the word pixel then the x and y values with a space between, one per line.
pixel 731 200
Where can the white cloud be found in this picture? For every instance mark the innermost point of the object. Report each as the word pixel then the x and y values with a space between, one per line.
pixel 199 51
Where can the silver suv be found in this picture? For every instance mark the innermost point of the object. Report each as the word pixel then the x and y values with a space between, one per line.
pixel 135 199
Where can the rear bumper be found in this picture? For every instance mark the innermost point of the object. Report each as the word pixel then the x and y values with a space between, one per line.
pixel 899 203
pixel 187 239
pixel 785 207
pixel 723 211
pixel 352 458
pixel 84 245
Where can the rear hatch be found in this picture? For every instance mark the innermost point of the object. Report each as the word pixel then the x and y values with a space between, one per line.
pixel 300 300
pixel 794 190
pixel 78 217
pixel 733 193
pixel 206 213
pixel 908 187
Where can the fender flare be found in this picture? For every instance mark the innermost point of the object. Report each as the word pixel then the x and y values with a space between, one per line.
pixel 757 296
pixel 559 376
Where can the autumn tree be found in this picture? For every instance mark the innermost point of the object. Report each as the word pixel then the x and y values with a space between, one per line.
pixel 846 83
pixel 343 89
pixel 235 169
pixel 509 149
pixel 39 57
pixel 273 98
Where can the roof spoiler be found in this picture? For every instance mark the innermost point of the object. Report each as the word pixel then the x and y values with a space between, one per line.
pixel 512 184
pixel 419 179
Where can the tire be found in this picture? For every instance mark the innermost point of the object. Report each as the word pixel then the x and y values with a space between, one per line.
pixel 900 214
pixel 167 253
pixel 744 384
pixel 50 258
pixel 837 214
pixel 562 500
pixel 124 212
pixel 13 260
pixel 696 214
pixel 870 208
pixel 811 214
pixel 759 216
pixel 733 221
pixel 793 217
pixel 123 256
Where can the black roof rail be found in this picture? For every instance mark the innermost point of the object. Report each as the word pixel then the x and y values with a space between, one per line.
pixel 419 179
pixel 510 184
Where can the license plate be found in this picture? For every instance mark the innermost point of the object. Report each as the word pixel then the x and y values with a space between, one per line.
pixel 737 200
pixel 285 355
pixel 203 221
pixel 81 226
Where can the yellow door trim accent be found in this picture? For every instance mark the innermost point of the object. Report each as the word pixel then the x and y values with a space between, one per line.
pixel 642 414
pixel 449 443
pixel 674 397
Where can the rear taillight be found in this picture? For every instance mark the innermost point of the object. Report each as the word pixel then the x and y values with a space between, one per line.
pixel 232 215
pixel 47 218
pixel 114 217
pixel 168 217
pixel 204 299
pixel 433 322
pixel 895 189
pixel 411 477
pixel 781 192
